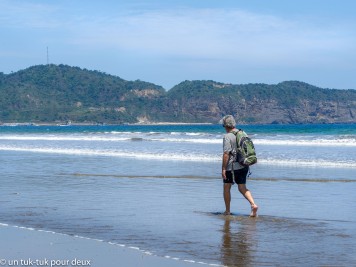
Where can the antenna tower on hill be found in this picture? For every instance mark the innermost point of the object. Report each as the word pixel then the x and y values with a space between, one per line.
pixel 47 56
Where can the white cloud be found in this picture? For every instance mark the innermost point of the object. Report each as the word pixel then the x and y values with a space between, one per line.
pixel 27 15
pixel 214 34
pixel 182 43
pixel 220 34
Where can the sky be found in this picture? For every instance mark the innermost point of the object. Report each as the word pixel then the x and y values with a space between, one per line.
pixel 169 41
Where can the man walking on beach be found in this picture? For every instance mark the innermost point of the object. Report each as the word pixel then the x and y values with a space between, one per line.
pixel 229 165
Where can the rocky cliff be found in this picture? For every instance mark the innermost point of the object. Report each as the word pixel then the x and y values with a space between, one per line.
pixel 287 102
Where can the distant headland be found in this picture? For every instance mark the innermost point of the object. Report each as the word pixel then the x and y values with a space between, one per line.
pixel 58 94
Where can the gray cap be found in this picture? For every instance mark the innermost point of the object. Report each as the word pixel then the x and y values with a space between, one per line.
pixel 228 121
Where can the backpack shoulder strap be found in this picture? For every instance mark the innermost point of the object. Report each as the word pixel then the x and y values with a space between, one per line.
pixel 237 131
pixel 239 134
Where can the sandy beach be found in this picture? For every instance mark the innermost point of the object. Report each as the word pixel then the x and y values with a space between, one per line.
pixel 153 195
pixel 29 247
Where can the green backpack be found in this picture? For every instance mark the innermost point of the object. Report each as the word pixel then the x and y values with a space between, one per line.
pixel 246 153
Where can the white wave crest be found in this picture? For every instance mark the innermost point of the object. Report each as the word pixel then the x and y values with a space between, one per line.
pixel 313 142
pixel 177 156
pixel 122 154
pixel 102 138
pixel 65 138
pixel 308 163
pixel 178 137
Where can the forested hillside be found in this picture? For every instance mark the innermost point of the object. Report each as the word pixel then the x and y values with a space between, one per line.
pixel 51 93
pixel 286 102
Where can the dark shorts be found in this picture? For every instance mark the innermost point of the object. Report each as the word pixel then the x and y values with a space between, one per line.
pixel 240 176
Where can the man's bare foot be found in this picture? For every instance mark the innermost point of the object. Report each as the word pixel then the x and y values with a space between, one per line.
pixel 227 213
pixel 254 209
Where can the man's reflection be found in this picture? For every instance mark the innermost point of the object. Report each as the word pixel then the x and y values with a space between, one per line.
pixel 238 241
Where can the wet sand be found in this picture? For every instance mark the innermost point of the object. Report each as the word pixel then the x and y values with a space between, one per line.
pixel 289 230
pixel 27 247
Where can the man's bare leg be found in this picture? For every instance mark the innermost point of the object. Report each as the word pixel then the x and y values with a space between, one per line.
pixel 247 194
pixel 227 198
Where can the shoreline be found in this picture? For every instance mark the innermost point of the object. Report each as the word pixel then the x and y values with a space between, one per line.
pixel 15 124
pixel 172 123
pixel 44 124
pixel 21 246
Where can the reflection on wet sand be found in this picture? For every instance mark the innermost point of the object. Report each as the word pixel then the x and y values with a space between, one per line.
pixel 271 241
pixel 238 241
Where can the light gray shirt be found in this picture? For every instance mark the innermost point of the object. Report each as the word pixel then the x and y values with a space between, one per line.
pixel 229 146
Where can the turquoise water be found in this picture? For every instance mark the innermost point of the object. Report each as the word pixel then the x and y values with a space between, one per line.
pixel 158 188
pixel 321 129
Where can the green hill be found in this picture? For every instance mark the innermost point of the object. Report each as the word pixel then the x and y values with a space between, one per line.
pixel 286 102
pixel 51 93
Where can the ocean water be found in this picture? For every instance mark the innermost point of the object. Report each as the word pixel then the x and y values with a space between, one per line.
pixel 158 188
